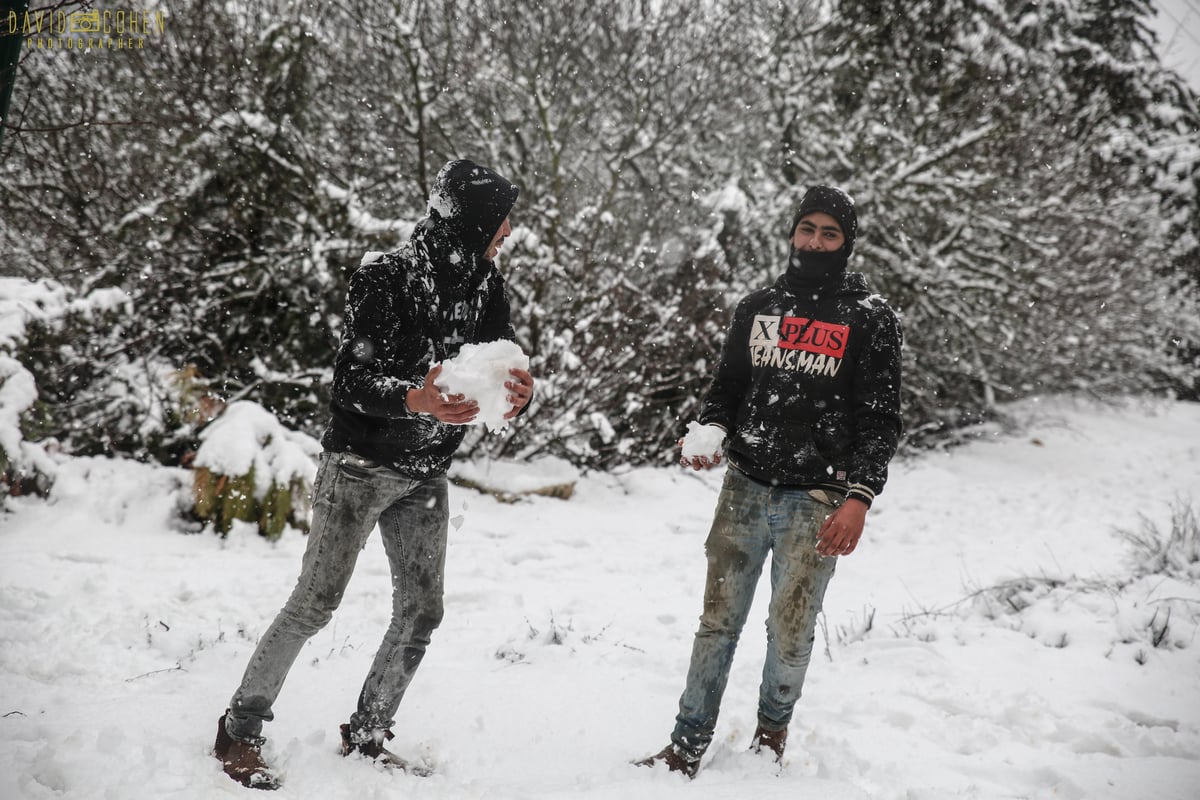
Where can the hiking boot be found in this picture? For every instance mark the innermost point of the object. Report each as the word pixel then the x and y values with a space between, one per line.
pixel 675 759
pixel 369 744
pixel 243 761
pixel 774 741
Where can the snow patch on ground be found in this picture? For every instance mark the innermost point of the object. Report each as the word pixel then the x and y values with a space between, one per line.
pixel 990 638
pixel 516 477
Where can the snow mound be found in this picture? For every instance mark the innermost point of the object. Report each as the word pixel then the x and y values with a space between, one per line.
pixel 479 372
pixel 508 480
pixel 246 437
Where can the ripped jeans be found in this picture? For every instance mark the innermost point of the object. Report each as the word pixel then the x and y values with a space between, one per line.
pixel 751 520
pixel 350 495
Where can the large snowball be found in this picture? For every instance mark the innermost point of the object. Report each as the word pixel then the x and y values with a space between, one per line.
pixel 479 372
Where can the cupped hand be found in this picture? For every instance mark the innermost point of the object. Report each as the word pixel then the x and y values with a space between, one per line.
pixel 520 391
pixel 699 462
pixel 454 409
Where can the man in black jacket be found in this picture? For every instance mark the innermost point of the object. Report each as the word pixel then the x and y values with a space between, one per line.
pixel 808 393
pixel 387 449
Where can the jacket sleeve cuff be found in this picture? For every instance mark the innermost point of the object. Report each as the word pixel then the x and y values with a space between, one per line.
pixel 858 491
pixel 404 399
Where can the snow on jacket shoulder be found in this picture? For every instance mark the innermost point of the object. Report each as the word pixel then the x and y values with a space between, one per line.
pixel 808 386
pixel 398 323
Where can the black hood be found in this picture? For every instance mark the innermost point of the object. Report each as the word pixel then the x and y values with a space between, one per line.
pixel 470 202
pixel 467 205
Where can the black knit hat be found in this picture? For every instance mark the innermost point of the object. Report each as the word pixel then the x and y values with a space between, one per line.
pixel 835 203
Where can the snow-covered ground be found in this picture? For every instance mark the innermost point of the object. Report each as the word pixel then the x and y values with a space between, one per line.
pixel 569 624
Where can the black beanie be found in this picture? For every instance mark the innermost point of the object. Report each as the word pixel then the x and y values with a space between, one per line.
pixel 837 204
pixel 472 200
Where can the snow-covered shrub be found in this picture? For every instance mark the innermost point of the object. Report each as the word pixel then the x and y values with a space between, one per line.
pixel 25 306
pixel 1174 552
pixel 250 467
pixel 24 466
pixel 97 391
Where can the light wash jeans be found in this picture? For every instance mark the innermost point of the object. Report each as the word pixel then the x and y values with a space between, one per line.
pixel 751 520
pixel 350 495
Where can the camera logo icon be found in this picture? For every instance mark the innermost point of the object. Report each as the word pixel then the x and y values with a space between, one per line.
pixel 85 21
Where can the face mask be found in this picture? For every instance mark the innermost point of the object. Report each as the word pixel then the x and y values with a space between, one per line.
pixel 809 268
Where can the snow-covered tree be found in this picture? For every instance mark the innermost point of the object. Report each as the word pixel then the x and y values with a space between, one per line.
pixel 1003 155
pixel 1027 175
pixel 214 209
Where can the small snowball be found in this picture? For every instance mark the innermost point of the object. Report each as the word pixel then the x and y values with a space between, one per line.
pixel 702 440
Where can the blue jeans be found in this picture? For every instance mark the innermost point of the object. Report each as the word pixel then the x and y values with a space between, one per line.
pixel 751 520
pixel 350 495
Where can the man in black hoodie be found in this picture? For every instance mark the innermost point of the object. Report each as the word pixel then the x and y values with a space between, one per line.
pixel 387 449
pixel 808 394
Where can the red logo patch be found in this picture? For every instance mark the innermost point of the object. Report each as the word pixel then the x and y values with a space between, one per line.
pixel 825 338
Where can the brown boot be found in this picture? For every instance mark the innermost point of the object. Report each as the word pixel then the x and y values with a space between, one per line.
pixel 675 759
pixel 774 741
pixel 371 746
pixel 243 761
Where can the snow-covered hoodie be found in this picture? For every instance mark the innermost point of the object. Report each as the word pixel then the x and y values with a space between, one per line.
pixel 808 386
pixel 416 306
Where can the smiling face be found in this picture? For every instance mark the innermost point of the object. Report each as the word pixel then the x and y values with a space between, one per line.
pixel 818 232
pixel 498 240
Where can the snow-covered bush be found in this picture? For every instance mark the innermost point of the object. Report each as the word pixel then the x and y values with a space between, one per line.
pixel 26 306
pixel 250 467
pixel 24 465
pixel 103 387
pixel 999 161
pixel 1174 552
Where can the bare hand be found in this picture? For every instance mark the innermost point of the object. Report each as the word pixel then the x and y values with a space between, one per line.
pixel 521 391
pixel 699 462
pixel 842 529
pixel 454 409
